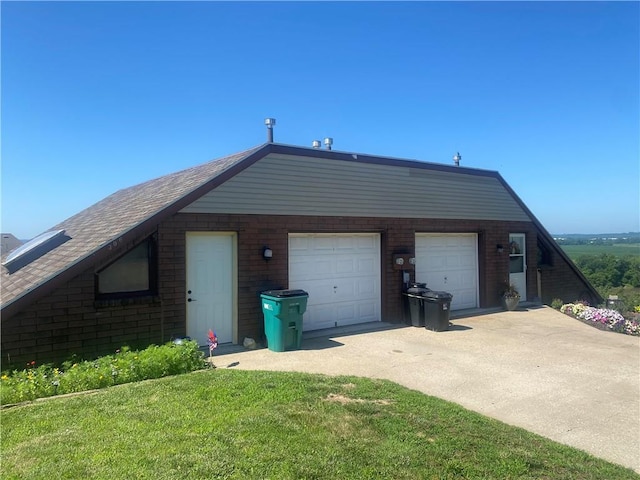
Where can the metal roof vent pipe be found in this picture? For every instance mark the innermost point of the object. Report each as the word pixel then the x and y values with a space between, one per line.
pixel 270 122
pixel 315 144
pixel 457 158
pixel 328 141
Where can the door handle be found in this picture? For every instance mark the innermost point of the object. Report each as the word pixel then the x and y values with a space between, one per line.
pixel 190 300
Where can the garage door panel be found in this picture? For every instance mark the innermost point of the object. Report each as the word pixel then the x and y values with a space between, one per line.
pixel 368 265
pixel 467 261
pixel 345 244
pixel 323 292
pixel 367 243
pixel 320 316
pixel 346 313
pixel 367 288
pixel 341 272
pixel 367 310
pixel 449 262
pixel 345 266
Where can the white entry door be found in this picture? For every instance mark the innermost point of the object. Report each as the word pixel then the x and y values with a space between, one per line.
pixel 518 264
pixel 210 286
pixel 341 273
pixel 449 262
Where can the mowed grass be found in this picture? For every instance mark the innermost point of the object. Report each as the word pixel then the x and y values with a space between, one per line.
pixel 273 425
pixel 618 250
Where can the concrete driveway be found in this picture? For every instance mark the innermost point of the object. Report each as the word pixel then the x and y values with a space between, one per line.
pixel 534 368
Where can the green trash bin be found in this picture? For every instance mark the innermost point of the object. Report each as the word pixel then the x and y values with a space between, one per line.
pixel 283 310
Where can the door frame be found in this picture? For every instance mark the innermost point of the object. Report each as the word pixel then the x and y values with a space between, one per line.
pixel 234 276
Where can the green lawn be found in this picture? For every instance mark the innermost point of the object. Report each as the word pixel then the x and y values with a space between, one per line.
pixel 241 424
pixel 619 249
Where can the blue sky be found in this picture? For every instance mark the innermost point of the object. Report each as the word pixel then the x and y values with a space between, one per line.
pixel 98 96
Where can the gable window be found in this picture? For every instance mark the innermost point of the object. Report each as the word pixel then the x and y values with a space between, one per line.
pixel 132 275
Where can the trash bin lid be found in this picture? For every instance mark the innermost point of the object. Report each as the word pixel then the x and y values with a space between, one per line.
pixel 285 293
pixel 416 287
pixel 438 295
pixel 419 290
pixel 413 295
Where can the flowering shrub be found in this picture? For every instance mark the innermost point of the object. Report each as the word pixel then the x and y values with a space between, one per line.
pixel 123 367
pixel 574 309
pixel 603 316
pixel 631 327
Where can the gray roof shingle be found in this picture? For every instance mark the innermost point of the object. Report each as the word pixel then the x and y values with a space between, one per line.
pixel 106 221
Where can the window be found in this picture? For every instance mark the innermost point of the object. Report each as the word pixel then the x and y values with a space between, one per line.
pixel 132 275
pixel 34 249
pixel 545 257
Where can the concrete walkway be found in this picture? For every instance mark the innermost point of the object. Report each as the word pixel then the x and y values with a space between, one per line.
pixel 534 368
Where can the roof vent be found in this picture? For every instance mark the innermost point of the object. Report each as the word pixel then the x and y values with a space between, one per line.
pixel 457 158
pixel 270 123
pixel 316 144
pixel 34 249
pixel 328 141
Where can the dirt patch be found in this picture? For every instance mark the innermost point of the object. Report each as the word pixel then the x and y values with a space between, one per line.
pixel 343 400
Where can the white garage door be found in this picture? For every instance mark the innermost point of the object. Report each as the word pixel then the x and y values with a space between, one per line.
pixel 449 262
pixel 341 272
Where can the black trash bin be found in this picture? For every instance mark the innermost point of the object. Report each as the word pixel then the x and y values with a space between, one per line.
pixel 436 310
pixel 415 303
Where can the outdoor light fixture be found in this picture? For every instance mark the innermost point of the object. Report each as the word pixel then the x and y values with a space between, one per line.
pixel 499 248
pixel 267 253
pixel 399 261
pixel 457 158
pixel 412 260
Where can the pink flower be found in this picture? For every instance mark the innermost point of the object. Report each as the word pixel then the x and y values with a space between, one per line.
pixel 212 341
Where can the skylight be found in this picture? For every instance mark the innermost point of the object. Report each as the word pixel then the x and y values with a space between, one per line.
pixel 34 249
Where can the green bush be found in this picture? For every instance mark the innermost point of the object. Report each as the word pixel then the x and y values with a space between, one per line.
pixel 557 303
pixel 123 367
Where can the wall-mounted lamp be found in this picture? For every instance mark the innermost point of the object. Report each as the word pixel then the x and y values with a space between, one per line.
pixel 267 253
pixel 499 248
pixel 412 260
pixel 399 261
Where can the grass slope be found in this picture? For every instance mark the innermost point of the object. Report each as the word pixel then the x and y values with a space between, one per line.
pixel 240 424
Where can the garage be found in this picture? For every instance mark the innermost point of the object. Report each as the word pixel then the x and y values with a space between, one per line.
pixel 341 273
pixel 449 262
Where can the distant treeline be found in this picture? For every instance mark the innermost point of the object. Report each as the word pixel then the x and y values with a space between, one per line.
pixel 609 271
pixel 598 239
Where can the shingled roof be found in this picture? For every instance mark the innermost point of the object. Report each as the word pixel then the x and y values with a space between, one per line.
pixel 113 218
pixel 136 211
